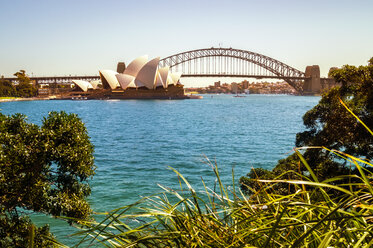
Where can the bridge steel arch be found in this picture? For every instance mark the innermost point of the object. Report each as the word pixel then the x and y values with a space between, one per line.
pixel 291 75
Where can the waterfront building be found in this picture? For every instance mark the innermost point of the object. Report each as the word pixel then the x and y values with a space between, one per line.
pixel 140 79
pixel 234 88
pixel 245 84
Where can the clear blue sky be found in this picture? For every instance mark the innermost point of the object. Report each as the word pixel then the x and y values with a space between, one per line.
pixel 50 37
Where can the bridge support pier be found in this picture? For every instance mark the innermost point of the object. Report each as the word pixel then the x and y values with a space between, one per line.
pixel 312 83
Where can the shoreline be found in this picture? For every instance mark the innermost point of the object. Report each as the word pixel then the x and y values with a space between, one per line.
pixel 20 99
pixel 188 96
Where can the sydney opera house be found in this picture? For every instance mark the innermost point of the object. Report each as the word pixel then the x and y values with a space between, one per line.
pixel 141 79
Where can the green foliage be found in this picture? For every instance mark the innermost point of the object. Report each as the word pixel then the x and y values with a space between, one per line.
pixel 6 88
pixel 24 88
pixel 45 169
pixel 330 125
pixel 18 231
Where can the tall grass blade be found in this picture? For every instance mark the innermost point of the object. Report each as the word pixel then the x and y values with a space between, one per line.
pixel 366 127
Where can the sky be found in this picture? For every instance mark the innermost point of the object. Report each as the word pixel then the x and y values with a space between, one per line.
pixel 80 37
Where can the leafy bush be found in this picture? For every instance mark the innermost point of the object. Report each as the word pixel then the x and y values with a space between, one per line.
pixel 18 231
pixel 42 169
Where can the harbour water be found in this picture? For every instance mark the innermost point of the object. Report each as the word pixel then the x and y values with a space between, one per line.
pixel 136 140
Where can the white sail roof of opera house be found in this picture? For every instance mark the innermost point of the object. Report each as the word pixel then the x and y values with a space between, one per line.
pixel 95 83
pixel 126 81
pixel 135 66
pixel 175 76
pixel 109 79
pixel 158 80
pixel 139 73
pixel 163 74
pixel 147 74
pixel 83 85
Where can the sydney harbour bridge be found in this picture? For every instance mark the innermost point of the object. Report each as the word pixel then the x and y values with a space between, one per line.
pixel 229 62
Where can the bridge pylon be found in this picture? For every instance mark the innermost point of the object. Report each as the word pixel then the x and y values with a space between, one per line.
pixel 312 82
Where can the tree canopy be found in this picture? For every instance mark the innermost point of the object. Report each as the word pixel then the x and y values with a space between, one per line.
pixel 330 125
pixel 24 88
pixel 7 88
pixel 42 169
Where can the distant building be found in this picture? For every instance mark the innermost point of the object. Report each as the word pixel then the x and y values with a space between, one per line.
pixel 217 84
pixel 43 91
pixel 245 84
pixel 234 87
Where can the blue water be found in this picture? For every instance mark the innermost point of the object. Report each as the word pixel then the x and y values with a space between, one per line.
pixel 135 140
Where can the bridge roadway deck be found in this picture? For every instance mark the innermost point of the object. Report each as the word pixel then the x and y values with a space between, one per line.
pixel 56 79
pixel 242 76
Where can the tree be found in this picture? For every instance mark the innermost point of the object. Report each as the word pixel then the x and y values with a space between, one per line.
pixel 6 88
pixel 25 88
pixel 330 125
pixel 42 169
